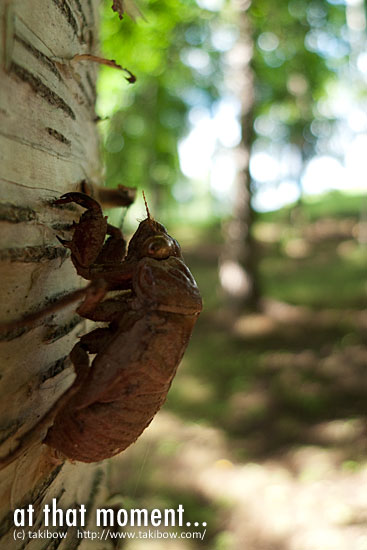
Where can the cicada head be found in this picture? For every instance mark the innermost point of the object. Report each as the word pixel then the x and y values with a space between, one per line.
pixel 151 240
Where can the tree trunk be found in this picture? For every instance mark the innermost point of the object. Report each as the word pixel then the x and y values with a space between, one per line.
pixel 48 145
pixel 238 264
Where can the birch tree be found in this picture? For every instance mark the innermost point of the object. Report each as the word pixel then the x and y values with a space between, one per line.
pixel 48 146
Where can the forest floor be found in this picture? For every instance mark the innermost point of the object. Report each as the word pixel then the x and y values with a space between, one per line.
pixel 264 434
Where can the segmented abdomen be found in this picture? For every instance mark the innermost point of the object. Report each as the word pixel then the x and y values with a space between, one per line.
pixel 110 424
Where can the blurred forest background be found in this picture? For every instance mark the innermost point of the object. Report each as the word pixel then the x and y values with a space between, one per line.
pixel 247 130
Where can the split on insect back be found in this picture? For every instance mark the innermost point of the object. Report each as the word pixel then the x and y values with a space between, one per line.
pixel 124 369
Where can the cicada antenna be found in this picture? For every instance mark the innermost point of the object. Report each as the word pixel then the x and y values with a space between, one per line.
pixel 150 218
pixel 146 205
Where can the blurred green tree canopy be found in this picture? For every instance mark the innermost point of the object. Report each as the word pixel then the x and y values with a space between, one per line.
pixel 180 63
pixel 300 48
pixel 176 65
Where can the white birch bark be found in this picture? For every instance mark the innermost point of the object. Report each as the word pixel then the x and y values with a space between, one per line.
pixel 48 145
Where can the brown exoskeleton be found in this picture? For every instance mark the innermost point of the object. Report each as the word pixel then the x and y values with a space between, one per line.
pixel 149 323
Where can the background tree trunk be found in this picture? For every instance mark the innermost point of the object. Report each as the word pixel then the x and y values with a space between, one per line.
pixel 48 145
pixel 238 263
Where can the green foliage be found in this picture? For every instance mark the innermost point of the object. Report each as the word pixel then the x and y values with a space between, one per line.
pixel 299 46
pixel 334 204
pixel 179 64
pixel 148 118
pixel 299 281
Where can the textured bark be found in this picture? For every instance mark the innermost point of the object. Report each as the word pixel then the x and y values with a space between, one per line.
pixel 48 145
pixel 238 264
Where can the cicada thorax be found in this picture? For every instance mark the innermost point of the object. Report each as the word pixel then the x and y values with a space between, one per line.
pixel 167 285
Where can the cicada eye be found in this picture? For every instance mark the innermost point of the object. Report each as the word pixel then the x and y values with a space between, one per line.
pixel 158 247
pixel 158 250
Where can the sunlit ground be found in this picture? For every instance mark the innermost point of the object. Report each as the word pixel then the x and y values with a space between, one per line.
pixel 264 432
